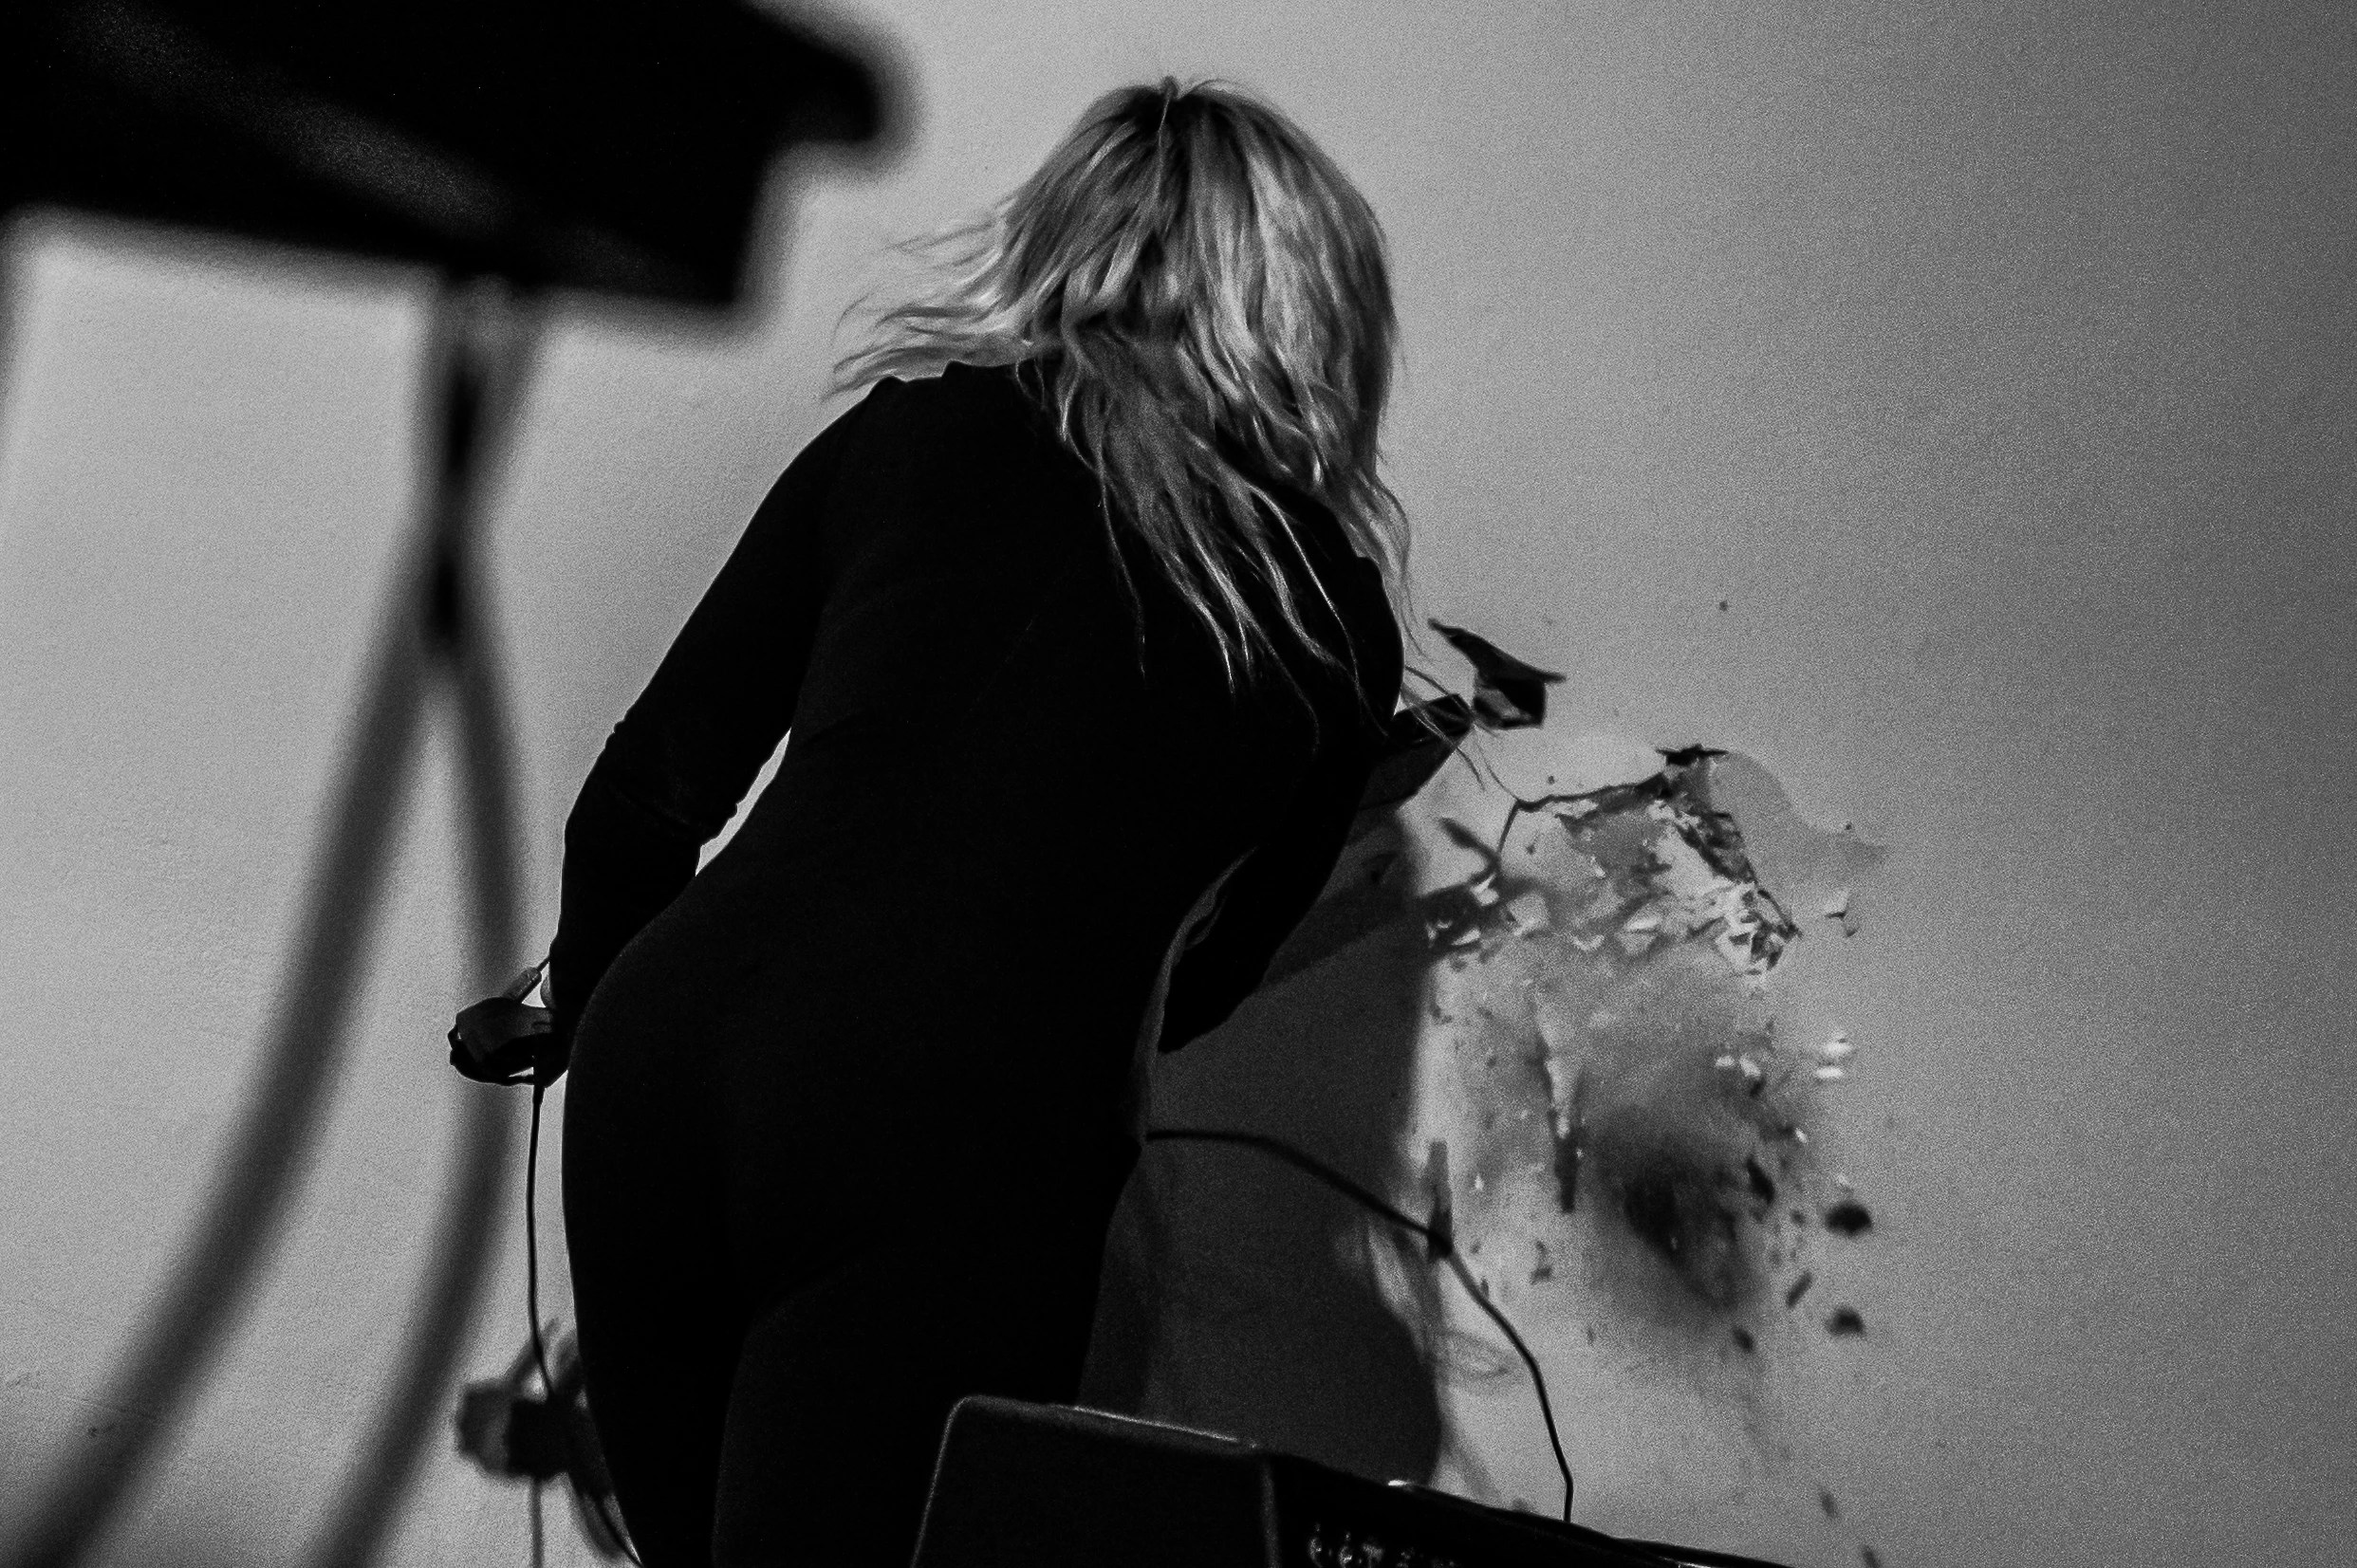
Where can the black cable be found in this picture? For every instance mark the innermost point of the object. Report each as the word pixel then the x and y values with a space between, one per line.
pixel 1439 1239
pixel 1547 1409
pixel 1294 1157
pixel 531 1247
pixel 531 1304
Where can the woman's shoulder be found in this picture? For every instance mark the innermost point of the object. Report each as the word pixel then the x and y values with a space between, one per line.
pixel 961 444
pixel 955 385
pixel 959 403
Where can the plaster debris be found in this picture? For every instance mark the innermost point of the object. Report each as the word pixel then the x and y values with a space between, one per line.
pixel 1848 1218
pixel 1508 693
pixel 1608 953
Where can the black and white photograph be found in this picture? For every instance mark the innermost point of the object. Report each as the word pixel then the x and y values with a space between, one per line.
pixel 1178 784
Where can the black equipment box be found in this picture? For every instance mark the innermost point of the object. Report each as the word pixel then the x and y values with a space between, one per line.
pixel 1020 1486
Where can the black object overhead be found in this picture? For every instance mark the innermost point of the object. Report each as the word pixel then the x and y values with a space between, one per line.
pixel 612 145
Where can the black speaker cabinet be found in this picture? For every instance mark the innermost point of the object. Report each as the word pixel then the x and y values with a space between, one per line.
pixel 1023 1485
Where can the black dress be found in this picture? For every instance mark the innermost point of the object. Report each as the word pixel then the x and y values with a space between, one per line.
pixel 846 1125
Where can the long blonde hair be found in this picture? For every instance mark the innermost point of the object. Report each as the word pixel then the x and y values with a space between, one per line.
pixel 1207 299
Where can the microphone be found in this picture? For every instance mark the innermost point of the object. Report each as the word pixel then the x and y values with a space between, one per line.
pixel 505 1039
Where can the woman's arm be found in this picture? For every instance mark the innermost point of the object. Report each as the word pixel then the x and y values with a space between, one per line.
pixel 1259 901
pixel 676 766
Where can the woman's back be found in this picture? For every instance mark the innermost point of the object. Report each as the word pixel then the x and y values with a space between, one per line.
pixel 999 803
pixel 1071 665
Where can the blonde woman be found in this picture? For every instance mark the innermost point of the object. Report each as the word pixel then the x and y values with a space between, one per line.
pixel 1082 622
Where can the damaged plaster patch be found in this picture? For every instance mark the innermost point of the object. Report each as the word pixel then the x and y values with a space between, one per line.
pixel 1635 1129
pixel 1613 944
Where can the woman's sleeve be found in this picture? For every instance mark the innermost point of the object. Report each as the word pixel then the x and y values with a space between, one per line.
pixel 674 769
pixel 1260 904
pixel 1268 893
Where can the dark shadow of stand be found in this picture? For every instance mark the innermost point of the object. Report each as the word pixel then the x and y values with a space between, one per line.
pixel 514 146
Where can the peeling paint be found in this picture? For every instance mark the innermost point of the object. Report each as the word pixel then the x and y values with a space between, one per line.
pixel 1609 947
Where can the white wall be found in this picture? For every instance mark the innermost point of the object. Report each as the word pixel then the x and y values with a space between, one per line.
pixel 1990 361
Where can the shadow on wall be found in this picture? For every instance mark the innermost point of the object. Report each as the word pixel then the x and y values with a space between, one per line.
pixel 1576 993
pixel 1238 1293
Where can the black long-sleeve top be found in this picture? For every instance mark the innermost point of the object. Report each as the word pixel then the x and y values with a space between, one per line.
pixel 1002 797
